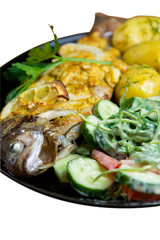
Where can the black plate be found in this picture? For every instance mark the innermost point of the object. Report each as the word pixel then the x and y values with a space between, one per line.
pixel 47 182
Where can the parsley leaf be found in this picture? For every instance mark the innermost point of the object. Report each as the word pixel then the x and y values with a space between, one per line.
pixel 33 71
pixel 30 74
pixel 57 44
pixel 16 91
pixel 13 74
pixel 39 54
pixel 27 72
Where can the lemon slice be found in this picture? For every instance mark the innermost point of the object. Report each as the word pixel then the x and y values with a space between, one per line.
pixel 35 97
pixel 81 50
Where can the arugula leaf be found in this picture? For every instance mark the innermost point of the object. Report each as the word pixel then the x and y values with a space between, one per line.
pixel 147 153
pixel 141 106
pixel 132 132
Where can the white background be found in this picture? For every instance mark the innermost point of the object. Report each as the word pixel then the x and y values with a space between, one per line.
pixel 25 214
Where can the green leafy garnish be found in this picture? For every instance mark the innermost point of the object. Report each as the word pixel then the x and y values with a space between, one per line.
pixel 39 54
pixel 14 74
pixel 57 44
pixel 133 132
pixel 27 72
pixel 16 91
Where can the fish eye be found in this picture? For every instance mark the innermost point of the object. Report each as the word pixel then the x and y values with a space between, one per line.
pixel 16 147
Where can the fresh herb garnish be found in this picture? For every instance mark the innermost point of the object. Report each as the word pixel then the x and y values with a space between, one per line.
pixel 142 169
pixel 38 54
pixel 28 71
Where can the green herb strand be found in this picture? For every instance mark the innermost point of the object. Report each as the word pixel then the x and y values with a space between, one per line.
pixel 145 168
pixel 117 120
pixel 82 60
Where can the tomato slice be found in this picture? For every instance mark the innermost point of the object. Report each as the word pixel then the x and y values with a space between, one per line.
pixel 138 196
pixel 105 160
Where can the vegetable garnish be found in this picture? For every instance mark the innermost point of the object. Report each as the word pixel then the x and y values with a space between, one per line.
pixel 28 71
pixel 133 132
pixel 142 169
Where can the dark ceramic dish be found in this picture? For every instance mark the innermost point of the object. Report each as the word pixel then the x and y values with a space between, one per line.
pixel 47 182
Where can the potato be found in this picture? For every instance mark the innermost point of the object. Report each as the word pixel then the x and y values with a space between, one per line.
pixel 144 53
pixel 138 81
pixel 136 30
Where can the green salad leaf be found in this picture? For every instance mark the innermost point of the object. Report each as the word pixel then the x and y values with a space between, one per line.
pixel 147 153
pixel 133 132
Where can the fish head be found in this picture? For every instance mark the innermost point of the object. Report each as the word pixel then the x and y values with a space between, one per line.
pixel 27 150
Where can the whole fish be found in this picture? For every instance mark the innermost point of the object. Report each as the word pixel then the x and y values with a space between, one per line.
pixel 33 137
pixel 31 146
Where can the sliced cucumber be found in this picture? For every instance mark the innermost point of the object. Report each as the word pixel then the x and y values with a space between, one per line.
pixel 105 108
pixel 60 167
pixel 88 130
pixel 145 182
pixel 83 171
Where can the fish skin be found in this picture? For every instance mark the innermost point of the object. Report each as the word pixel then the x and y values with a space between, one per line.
pixel 8 124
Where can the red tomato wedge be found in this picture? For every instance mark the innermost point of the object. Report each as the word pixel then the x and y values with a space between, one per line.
pixel 138 196
pixel 105 160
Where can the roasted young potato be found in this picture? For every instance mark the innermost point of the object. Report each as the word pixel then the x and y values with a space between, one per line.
pixel 138 81
pixel 136 30
pixel 144 53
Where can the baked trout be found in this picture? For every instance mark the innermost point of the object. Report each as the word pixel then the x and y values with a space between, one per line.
pixel 38 128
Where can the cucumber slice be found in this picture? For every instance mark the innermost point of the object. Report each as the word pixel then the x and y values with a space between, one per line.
pixel 104 109
pixel 60 167
pixel 88 130
pixel 145 182
pixel 83 171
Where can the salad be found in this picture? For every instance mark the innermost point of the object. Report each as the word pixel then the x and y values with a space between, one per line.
pixel 120 156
